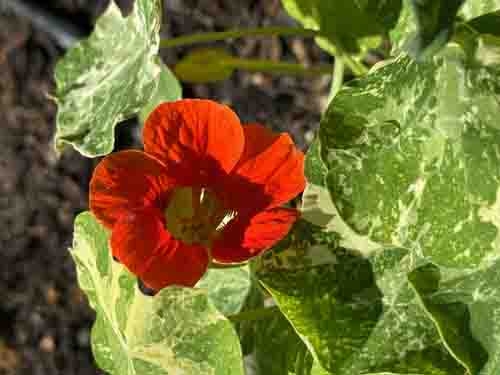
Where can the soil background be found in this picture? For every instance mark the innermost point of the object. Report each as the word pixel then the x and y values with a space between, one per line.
pixel 45 320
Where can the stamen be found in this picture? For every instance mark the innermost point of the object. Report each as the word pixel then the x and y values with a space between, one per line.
pixel 195 215
pixel 226 219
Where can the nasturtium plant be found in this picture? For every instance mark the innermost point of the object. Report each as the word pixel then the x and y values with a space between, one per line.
pixel 390 265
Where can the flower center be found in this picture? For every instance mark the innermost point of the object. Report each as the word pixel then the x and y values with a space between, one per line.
pixel 195 215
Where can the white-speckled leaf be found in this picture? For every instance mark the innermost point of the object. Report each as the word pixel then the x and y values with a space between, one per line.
pixel 413 153
pixel 345 24
pixel 360 315
pixel 107 78
pixel 227 288
pixel 168 90
pixel 178 331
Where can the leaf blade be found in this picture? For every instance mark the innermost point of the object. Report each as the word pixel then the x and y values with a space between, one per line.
pixel 107 78
pixel 178 330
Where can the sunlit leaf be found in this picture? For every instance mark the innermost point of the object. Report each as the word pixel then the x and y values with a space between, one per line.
pixel 345 24
pixel 107 78
pixel 227 288
pixel 357 314
pixel 476 8
pixel 178 331
pixel 168 90
pixel 411 153
pixel 405 148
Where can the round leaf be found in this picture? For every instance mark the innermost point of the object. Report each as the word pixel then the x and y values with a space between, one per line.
pixel 177 331
pixel 107 78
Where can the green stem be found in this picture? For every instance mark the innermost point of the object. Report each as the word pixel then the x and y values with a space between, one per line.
pixel 256 314
pixel 338 78
pixel 236 33
pixel 267 66
pixel 357 68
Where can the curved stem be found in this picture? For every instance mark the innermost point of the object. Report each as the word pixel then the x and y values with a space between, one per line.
pixel 236 33
pixel 357 68
pixel 338 78
pixel 267 66
pixel 256 314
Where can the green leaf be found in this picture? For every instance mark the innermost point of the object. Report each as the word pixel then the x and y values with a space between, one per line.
pixel 107 78
pixel 247 328
pixel 357 314
pixel 345 24
pixel 405 27
pixel 227 288
pixel 168 90
pixel 476 8
pixel 478 289
pixel 278 348
pixel 205 65
pixel 177 331
pixel 435 20
pixel 480 38
pixel 274 335
pixel 405 149
pixel 486 24
pixel 318 208
pixel 451 318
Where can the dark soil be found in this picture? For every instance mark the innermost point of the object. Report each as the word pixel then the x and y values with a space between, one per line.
pixel 44 317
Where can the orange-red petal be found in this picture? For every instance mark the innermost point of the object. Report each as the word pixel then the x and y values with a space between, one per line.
pixel 124 181
pixel 142 244
pixel 270 171
pixel 199 139
pixel 246 237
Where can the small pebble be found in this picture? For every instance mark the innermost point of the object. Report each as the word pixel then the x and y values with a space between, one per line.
pixel 47 344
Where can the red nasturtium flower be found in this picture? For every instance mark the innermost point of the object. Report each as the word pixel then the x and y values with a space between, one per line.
pixel 206 189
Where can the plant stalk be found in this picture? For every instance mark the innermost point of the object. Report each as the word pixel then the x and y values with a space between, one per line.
pixel 338 78
pixel 267 66
pixel 236 33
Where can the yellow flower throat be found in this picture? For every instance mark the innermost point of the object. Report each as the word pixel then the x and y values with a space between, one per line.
pixel 196 216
